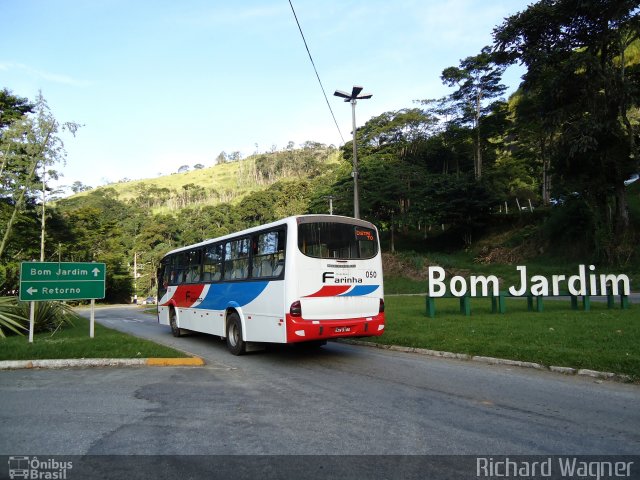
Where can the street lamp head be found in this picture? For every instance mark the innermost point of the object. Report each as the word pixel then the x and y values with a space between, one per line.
pixel 354 95
pixel 341 94
pixel 355 91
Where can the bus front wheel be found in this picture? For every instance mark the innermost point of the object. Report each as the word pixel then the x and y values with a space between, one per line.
pixel 235 344
pixel 175 330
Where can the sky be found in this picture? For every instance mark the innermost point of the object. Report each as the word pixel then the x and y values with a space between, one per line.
pixel 161 84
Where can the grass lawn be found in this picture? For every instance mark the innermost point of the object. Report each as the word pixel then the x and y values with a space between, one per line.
pixel 601 339
pixel 74 342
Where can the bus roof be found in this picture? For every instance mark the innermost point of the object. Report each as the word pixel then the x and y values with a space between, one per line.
pixel 283 221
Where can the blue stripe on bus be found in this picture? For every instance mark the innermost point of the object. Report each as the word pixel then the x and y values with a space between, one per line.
pixel 360 290
pixel 220 295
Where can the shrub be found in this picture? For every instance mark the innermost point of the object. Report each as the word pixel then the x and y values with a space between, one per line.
pixel 11 317
pixel 48 316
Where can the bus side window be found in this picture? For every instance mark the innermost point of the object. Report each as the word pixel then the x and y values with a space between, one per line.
pixel 236 260
pixel 193 267
pixel 163 279
pixel 193 275
pixel 268 251
pixel 279 268
pixel 179 265
pixel 228 261
pixel 212 268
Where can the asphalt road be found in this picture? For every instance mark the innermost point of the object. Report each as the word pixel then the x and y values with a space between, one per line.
pixel 337 400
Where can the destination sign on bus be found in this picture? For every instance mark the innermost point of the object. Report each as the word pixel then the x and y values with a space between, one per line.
pixel 362 234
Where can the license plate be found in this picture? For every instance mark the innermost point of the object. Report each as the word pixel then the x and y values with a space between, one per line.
pixel 342 329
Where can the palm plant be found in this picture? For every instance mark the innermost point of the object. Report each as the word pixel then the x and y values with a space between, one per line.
pixel 11 318
pixel 48 316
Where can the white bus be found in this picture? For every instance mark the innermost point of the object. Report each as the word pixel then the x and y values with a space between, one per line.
pixel 306 278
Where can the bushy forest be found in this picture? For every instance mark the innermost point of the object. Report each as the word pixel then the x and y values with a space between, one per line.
pixel 556 156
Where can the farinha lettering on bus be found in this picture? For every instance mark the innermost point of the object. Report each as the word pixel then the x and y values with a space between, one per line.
pixel 537 285
pixel 330 277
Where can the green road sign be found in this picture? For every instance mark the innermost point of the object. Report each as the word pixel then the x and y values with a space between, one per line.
pixel 41 281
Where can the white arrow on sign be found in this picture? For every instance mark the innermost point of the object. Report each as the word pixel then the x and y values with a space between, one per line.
pixel 32 290
pixel 96 271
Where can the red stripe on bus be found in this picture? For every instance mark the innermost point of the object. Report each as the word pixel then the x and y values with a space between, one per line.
pixel 187 295
pixel 330 291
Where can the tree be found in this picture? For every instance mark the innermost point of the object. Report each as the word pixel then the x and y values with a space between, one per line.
pixel 78 186
pixel 99 228
pixel 191 193
pixel 29 144
pixel 478 80
pixel 12 108
pixel 221 158
pixel 534 135
pixel 462 202
pixel 389 189
pixel 585 90
pixel 402 132
pixel 257 208
pixel 183 169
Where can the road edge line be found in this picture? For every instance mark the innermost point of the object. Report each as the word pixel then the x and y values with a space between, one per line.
pixel 100 362
pixel 175 362
pixel 617 377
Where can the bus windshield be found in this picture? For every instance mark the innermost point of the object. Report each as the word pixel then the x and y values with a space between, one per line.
pixel 337 240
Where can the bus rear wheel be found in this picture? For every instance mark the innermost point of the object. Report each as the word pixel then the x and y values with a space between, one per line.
pixel 235 344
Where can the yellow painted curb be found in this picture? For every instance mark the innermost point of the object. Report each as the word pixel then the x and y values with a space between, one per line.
pixel 175 362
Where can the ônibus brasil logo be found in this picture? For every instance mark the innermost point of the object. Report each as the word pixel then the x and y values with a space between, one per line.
pixel 36 469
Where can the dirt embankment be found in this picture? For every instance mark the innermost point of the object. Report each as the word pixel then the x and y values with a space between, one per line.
pixel 395 266
pixel 417 267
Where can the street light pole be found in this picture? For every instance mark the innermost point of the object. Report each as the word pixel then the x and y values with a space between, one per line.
pixel 330 198
pixel 352 98
pixel 356 191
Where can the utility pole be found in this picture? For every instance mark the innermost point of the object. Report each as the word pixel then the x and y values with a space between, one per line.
pixel 44 202
pixel 330 198
pixel 352 98
pixel 135 277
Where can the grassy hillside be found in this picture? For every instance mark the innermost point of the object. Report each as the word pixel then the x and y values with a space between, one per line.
pixel 220 177
pixel 226 182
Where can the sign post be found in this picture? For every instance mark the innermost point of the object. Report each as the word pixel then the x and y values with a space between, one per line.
pixel 92 322
pixel 44 281
pixel 31 320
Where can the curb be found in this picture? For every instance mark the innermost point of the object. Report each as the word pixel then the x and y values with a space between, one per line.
pixel 175 362
pixel 495 361
pixel 101 362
